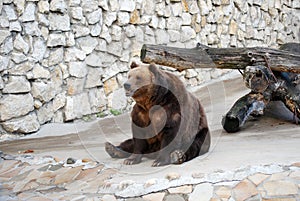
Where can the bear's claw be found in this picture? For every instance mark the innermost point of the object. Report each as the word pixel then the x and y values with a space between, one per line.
pixel 177 157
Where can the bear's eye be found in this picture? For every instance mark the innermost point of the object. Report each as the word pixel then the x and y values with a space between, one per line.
pixel 138 78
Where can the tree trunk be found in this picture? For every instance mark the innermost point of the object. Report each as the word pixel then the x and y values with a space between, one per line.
pixel 223 58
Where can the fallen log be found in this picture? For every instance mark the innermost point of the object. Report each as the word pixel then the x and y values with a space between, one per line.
pixel 224 58
pixel 271 74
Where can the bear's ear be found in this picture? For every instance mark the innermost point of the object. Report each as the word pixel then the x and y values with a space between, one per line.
pixel 133 65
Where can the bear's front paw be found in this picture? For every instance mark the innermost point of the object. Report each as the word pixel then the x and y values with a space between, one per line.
pixel 133 159
pixel 177 157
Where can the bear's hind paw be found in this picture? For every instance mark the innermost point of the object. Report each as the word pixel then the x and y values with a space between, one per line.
pixel 114 151
pixel 177 157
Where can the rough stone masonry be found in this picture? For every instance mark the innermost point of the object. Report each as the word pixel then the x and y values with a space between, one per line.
pixel 63 60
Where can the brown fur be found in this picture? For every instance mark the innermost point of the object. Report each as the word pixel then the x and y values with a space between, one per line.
pixel 168 122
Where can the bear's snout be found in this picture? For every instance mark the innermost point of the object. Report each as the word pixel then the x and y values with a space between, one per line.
pixel 127 86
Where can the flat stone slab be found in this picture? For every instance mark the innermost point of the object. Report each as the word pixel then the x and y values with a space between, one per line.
pixel 243 159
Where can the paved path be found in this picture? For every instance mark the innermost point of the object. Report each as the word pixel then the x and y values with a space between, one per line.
pixel 261 162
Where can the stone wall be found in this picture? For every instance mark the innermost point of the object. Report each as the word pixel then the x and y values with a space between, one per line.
pixel 62 60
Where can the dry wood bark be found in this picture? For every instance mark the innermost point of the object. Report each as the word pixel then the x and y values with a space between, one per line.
pixel 225 58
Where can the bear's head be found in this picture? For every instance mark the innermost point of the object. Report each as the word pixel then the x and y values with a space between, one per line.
pixel 144 80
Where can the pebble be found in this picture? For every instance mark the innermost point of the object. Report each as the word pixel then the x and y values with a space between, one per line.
pixel 172 176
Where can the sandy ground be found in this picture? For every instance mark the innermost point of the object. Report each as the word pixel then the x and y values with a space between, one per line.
pixel 271 139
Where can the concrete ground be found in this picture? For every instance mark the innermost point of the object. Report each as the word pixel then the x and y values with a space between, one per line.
pixel 273 139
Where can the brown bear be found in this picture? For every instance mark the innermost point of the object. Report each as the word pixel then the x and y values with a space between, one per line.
pixel 168 122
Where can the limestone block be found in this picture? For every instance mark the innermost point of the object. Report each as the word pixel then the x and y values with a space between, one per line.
pixel 98 100
pixel 233 27
pixel 77 106
pixel 145 19
pixel 296 4
pixel 76 13
pixel 74 54
pixel 32 28
pixel 18 57
pixel 94 60
pixel 1 83
pixel 56 39
pixel 74 2
pixel 20 6
pixel 94 17
pixel 148 7
pixel 56 56
pixel 58 117
pixel 118 99
pixel 123 18
pixel 174 23
pixel 116 33
pixel 16 84
pixel 4 21
pixel 3 35
pixel 102 46
pixel 21 69
pixel 58 6
pixel 29 12
pixel 115 48
pixel 43 20
pixel 110 85
pixel 174 35
pixel 96 30
pixel 44 91
pixel 15 26
pixel 39 72
pixel 59 22
pixel 89 6
pixel 87 44
pixel 190 73
pixel 127 5
pixel 93 78
pixel 154 22
pixel 114 5
pixel 10 12
pixel 4 61
pixel 130 31
pixel 109 18
pixel 139 36
pixel 45 113
pixel 80 31
pixel 160 9
pixel 186 19
pixel 74 85
pixel 187 33
pixel 43 6
pixel 7 47
pixel 77 69
pixel 20 44
pixel 103 4
pixel 26 124
pixel 105 34
pixel 176 9
pixel 135 17
pixel 127 44
pixel 12 106
pixel 162 37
